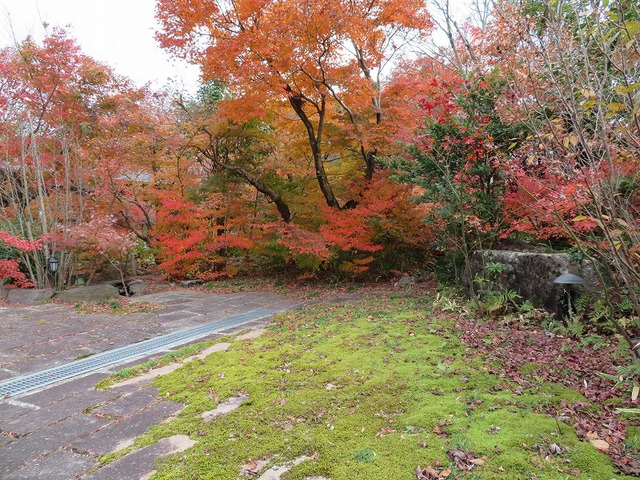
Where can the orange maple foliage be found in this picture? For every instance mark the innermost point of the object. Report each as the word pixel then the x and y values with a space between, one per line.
pixel 321 59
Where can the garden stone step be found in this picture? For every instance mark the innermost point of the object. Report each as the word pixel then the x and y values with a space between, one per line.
pixel 61 465
pixel 129 403
pixel 22 451
pixel 120 434
pixel 31 420
pixel 225 407
pixel 138 465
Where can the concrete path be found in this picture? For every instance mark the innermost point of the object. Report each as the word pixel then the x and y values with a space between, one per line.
pixel 59 432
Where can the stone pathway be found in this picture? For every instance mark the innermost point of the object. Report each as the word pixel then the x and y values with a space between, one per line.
pixel 59 432
pixel 39 337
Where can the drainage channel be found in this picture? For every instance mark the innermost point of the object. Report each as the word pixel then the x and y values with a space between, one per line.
pixel 34 381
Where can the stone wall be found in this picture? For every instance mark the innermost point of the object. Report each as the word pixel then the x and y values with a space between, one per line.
pixel 532 274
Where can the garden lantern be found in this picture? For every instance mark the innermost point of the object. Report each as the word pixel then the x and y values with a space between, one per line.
pixel 53 264
pixel 568 280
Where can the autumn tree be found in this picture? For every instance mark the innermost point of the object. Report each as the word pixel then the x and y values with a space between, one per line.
pixel 577 81
pixel 51 98
pixel 457 162
pixel 220 144
pixel 322 59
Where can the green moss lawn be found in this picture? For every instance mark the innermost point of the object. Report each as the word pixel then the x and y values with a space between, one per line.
pixel 367 390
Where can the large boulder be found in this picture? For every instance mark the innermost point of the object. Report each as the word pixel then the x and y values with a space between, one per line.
pixel 92 293
pixel 532 274
pixel 136 287
pixel 26 296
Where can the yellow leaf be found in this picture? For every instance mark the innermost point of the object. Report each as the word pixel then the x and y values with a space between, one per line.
pixel 570 140
pixel 622 223
pixel 588 93
pixel 632 28
pixel 635 392
pixel 615 107
pixel 579 218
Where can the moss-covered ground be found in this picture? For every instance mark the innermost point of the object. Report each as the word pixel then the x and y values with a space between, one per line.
pixel 369 390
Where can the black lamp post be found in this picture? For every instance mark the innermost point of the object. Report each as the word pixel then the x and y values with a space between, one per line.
pixel 567 280
pixel 52 265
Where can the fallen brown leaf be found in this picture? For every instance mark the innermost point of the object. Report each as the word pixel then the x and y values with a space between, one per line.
pixel 600 445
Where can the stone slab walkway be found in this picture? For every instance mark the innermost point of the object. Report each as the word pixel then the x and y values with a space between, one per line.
pixel 39 337
pixel 59 432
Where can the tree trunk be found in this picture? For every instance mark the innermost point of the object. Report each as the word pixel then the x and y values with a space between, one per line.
pixel 369 162
pixel 274 196
pixel 315 140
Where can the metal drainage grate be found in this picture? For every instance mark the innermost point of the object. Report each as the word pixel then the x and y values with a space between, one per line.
pixel 33 381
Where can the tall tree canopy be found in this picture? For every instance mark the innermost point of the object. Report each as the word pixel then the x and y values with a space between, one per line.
pixel 322 60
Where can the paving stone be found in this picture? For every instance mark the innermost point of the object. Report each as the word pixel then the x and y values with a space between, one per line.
pixel 146 377
pixel 120 434
pixel 217 311
pixel 251 334
pixel 61 465
pixel 55 412
pixel 131 403
pixel 276 472
pixel 139 464
pixel 216 347
pixel 177 305
pixel 176 316
pixel 32 365
pixel 64 390
pixel 50 307
pixel 22 451
pixel 183 324
pixel 76 354
pixel 225 407
pixel 43 322
pixel 41 348
pixel 8 411
pixel 19 340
